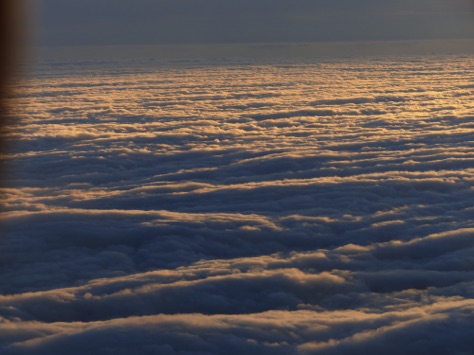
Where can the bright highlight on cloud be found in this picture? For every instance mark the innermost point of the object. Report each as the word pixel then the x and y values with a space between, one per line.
pixel 310 208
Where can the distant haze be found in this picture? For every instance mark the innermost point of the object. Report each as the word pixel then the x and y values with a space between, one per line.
pixel 125 22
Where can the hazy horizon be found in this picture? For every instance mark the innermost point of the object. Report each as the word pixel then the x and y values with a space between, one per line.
pixel 126 22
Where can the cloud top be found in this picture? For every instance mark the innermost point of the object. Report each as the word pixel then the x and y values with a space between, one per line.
pixel 293 208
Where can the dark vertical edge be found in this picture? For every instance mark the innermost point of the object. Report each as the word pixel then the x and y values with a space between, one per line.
pixel 9 29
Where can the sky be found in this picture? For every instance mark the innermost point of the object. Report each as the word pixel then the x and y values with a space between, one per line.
pixel 125 22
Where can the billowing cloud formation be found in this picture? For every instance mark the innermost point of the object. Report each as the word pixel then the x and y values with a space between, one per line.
pixel 313 208
pixel 223 21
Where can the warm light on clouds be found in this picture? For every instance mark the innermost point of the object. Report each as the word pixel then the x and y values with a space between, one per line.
pixel 275 177
pixel 226 207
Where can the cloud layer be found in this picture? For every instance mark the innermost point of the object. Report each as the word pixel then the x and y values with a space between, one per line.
pixel 320 208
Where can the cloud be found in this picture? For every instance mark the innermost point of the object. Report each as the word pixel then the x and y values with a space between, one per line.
pixel 303 208
pixel 271 332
